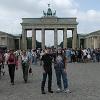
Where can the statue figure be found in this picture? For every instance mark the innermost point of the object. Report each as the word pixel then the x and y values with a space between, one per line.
pixel 44 13
pixel 54 13
pixel 49 12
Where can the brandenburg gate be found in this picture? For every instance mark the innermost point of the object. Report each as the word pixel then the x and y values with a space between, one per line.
pixel 49 21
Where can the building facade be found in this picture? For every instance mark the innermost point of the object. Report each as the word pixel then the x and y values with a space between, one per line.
pixel 91 40
pixel 9 41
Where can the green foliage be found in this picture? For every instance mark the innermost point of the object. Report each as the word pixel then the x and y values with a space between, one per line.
pixel 38 44
pixel 29 43
pixel 69 43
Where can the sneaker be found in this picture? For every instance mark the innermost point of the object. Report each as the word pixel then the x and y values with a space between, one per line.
pixel 3 73
pixel 59 90
pixel 67 91
pixel 12 83
pixel 25 81
pixel 43 92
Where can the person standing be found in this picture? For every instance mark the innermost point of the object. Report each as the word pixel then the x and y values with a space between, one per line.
pixel 61 71
pixel 11 65
pixel 47 70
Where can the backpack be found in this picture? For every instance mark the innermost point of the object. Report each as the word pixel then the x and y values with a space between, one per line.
pixel 11 58
pixel 1 58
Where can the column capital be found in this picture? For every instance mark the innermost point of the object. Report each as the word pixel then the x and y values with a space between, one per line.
pixel 33 29
pixel 65 28
pixel 23 28
pixel 55 28
pixel 42 28
pixel 74 30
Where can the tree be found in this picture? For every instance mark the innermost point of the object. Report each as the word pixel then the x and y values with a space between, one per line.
pixel 69 43
pixel 29 43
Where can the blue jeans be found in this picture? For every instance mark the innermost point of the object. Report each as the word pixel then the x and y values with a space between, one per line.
pixel 59 74
pixel 11 68
pixel 34 60
pixel 45 74
pixel 0 70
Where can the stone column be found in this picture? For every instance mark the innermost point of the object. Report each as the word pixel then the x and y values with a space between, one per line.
pixel 79 46
pixel 43 38
pixel 92 42
pixel 55 38
pixel 98 41
pixel 24 39
pixel 33 39
pixel 93 39
pixel 65 38
pixel 89 40
pixel 74 41
pixel 19 44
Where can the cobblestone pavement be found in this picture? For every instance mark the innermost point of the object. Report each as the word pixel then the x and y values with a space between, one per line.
pixel 84 82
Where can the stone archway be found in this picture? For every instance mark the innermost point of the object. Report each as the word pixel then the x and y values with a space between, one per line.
pixel 49 22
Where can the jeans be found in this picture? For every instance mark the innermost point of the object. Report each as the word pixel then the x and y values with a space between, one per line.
pixel 49 73
pixel 98 58
pixel 0 70
pixel 34 60
pixel 25 72
pixel 11 72
pixel 63 74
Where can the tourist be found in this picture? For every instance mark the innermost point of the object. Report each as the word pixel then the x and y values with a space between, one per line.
pixel 72 55
pixel 6 55
pixel 25 65
pixel 94 55
pixel 79 56
pixel 85 52
pixel 11 65
pixel 34 57
pixel 98 55
pixel 68 55
pixel 61 71
pixel 1 62
pixel 47 70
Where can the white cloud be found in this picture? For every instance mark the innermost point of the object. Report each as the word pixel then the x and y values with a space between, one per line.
pixel 90 15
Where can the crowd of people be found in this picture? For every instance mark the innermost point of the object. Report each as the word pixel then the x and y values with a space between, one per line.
pixel 58 57
pixel 83 55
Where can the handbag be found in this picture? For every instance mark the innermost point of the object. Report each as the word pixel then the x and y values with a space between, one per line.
pixel 30 70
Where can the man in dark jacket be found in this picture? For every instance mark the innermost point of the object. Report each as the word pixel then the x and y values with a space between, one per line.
pixel 47 67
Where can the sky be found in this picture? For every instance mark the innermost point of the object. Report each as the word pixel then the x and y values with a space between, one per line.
pixel 86 11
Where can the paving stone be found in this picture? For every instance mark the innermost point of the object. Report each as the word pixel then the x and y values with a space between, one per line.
pixel 84 82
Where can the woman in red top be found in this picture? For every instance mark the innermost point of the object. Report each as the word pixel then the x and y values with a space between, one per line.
pixel 11 65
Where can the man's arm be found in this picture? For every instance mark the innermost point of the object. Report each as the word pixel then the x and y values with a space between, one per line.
pixel 41 60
